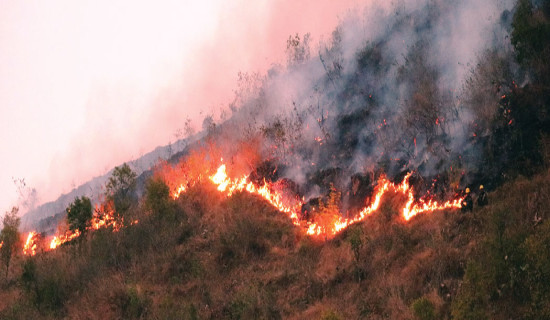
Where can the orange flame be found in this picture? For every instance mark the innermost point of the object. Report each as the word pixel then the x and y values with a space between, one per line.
pixel 30 245
pixel 410 209
pixel 228 186
pixel 68 236
pixel 104 216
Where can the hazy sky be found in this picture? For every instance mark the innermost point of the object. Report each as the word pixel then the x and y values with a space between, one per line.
pixel 87 85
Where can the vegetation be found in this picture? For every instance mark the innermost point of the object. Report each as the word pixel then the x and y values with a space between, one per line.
pixel 79 214
pixel 120 188
pixel 207 255
pixel 9 237
pixel 238 258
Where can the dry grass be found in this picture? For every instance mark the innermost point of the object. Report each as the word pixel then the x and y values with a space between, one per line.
pixel 239 258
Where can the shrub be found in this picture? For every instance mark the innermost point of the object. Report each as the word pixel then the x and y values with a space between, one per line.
pixel 537 266
pixel 120 187
pixel 132 303
pixel 79 214
pixel 471 299
pixel 9 237
pixel 157 197
pixel 355 240
pixel 28 276
pixel 423 309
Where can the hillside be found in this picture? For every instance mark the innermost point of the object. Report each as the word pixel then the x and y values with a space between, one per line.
pixel 219 260
pixel 338 188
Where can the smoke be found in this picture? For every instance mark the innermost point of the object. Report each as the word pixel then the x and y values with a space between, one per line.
pixel 90 85
pixel 356 103
pixel 384 92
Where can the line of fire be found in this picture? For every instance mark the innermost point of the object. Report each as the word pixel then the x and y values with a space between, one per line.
pixel 322 216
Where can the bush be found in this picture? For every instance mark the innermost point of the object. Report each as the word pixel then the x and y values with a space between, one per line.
pixel 132 303
pixel 28 276
pixel 537 267
pixel 157 197
pixel 354 238
pixel 423 309
pixel 79 214
pixel 471 300
pixel 120 188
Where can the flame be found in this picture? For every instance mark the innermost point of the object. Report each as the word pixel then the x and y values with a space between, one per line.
pixel 330 228
pixel 229 186
pixel 59 240
pixel 104 216
pixel 410 209
pixel 330 225
pixel 30 245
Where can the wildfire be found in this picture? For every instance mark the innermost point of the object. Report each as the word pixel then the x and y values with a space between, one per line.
pixel 68 236
pixel 228 186
pixel 329 225
pixel 30 245
pixel 103 217
pixel 410 209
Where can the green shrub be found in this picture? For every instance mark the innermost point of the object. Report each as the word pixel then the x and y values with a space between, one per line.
pixel 157 197
pixel 471 301
pixel 132 303
pixel 537 267
pixel 28 276
pixel 354 237
pixel 423 309
pixel 79 214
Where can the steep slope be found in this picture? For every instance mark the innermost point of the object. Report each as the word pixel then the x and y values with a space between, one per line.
pixel 238 257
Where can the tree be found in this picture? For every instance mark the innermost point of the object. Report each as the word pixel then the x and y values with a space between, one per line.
pixel 79 214
pixel 9 237
pixel 531 37
pixel 120 188
pixel 158 197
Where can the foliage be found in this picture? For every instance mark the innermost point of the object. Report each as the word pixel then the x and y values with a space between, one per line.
pixel 46 288
pixel 120 187
pixel 531 33
pixel 9 237
pixel 132 302
pixel 355 239
pixel 537 268
pixel 471 301
pixel 237 258
pixel 157 197
pixel 423 309
pixel 79 214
